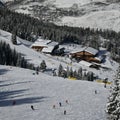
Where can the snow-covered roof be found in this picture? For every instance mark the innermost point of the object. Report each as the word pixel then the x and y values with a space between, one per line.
pixel 53 43
pixel 87 49
pixel 45 43
pixel 91 50
pixel 50 47
pixel 85 63
pixel 99 58
pixel 41 42
pixel 74 48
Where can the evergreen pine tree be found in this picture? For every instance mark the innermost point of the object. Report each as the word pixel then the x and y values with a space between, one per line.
pixel 90 76
pixel 14 57
pixel 71 72
pixel 75 74
pixel 18 61
pixel 43 65
pixel 113 105
pixel 14 38
pixel 60 69
pixel 68 72
pixel 54 73
pixel 84 76
pixel 79 74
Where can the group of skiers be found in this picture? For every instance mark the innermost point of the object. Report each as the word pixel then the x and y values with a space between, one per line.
pixel 60 105
pixel 54 106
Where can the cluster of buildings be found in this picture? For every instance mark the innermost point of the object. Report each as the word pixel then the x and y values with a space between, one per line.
pixel 74 51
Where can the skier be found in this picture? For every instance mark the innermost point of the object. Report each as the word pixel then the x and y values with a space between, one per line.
pixel 32 107
pixel 14 102
pixel 53 106
pixel 66 101
pixel 64 112
pixel 95 91
pixel 60 104
pixel 105 85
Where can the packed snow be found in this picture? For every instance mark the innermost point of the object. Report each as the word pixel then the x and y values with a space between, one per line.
pixel 43 91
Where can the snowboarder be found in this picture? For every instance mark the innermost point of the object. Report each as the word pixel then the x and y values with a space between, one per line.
pixel 64 112
pixel 14 102
pixel 60 104
pixel 32 107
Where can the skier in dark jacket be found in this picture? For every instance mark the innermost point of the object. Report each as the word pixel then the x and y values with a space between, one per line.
pixel 14 102
pixel 32 107
pixel 66 101
pixel 53 106
pixel 60 104
pixel 95 91
pixel 64 112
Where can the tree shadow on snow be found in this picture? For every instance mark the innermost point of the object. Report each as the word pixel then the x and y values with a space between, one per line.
pixel 3 71
pixel 6 94
pixel 8 84
pixel 27 100
pixel 7 97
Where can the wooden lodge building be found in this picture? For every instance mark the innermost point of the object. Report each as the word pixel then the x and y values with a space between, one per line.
pixel 87 54
pixel 45 46
pixel 39 44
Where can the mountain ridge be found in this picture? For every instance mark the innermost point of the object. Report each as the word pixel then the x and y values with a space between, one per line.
pixel 65 12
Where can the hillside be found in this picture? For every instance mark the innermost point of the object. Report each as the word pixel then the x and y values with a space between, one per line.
pixel 53 62
pixel 43 91
pixel 82 83
pixel 101 14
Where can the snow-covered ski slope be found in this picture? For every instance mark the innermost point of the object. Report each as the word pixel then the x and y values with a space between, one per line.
pixel 53 62
pixel 43 91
